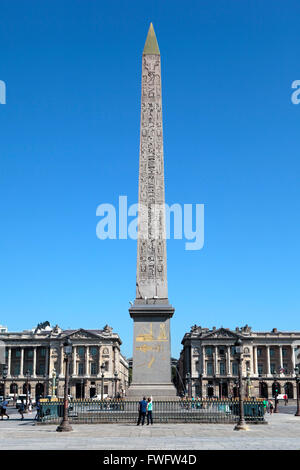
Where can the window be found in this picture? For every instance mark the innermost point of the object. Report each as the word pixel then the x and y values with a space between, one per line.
pixel 221 351
pixel 284 352
pixel 259 352
pixel 93 351
pixel 93 368
pixel 260 369
pixel 272 352
pixel 18 353
pixel 273 368
pixel 235 368
pixel 106 365
pixel 81 351
pixel 43 352
pixel 105 389
pixel 41 369
pixel 208 350
pixel 16 369
pixel 209 368
pixel 29 353
pixel 222 368
pixel 81 368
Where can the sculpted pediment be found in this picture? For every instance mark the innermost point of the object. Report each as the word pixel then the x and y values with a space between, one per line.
pixel 222 333
pixel 82 334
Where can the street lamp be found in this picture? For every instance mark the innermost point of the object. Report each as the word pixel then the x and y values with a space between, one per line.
pixel 116 381
pixel 102 380
pixel 241 425
pixel 275 391
pixel 297 372
pixel 65 425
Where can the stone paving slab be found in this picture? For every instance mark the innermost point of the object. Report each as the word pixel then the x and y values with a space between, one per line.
pixel 281 433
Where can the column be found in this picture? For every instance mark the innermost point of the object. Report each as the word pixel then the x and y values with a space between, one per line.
pixel 47 361
pixel 268 361
pixel 99 361
pixel 61 372
pixel 22 363
pixel 255 360
pixel 280 358
pixel 216 361
pixel 9 361
pixel 34 362
pixel 87 372
pixel 293 358
pixel 228 361
pixel 203 360
pixel 74 370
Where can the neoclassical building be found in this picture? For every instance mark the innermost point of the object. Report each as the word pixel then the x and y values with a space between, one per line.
pixel 208 365
pixel 36 357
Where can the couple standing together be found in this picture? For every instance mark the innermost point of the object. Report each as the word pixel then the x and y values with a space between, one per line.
pixel 145 407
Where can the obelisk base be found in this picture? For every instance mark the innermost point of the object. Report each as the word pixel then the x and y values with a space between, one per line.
pixel 151 369
pixel 157 391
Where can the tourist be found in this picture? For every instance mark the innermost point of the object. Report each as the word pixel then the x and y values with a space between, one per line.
pixel 21 409
pixel 271 406
pixel 149 411
pixel 4 409
pixel 142 411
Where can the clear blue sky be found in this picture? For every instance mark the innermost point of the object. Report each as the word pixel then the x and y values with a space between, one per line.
pixel 69 141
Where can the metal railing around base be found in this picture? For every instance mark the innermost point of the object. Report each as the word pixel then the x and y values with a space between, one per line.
pixel 180 411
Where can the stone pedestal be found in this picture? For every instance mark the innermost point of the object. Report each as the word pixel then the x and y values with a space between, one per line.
pixel 151 352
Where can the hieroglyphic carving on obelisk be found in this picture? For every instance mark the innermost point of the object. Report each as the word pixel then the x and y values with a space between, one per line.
pixel 151 245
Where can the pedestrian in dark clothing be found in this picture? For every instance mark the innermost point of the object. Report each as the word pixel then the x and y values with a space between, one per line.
pixel 149 411
pixel 21 409
pixel 4 409
pixel 142 411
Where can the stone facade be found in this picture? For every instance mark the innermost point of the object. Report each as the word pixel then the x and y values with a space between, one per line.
pixel 269 358
pixel 40 351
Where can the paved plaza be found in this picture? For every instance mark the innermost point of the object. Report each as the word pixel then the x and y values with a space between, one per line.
pixel 281 433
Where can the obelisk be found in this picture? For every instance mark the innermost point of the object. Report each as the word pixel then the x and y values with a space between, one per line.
pixel 151 311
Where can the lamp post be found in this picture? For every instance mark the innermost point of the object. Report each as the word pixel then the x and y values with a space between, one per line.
pixel 297 372
pixel 116 381
pixel 241 425
pixel 275 391
pixel 65 425
pixel 102 380
pixel 27 375
pixel 4 377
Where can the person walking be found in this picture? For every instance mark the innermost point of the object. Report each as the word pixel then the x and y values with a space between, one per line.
pixel 149 411
pixel 22 409
pixel 271 406
pixel 4 409
pixel 142 411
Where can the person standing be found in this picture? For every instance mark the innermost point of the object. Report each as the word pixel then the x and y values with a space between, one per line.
pixel 4 409
pixel 149 411
pixel 142 411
